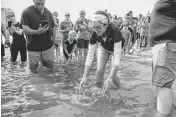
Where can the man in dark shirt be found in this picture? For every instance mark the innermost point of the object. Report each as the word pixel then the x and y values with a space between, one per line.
pixel 19 42
pixel 162 33
pixel 39 27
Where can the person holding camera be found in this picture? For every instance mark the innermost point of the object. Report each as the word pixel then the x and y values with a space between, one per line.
pixel 83 34
pixel 39 27
pixel 108 37
pixel 130 22
pixel 19 43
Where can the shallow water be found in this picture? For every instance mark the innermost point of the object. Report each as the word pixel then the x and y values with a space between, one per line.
pixel 55 94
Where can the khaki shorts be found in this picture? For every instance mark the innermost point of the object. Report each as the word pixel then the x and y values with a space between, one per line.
pixel 164 64
pixel 46 57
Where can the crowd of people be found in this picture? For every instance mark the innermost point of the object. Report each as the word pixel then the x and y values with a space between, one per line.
pixel 132 28
pixel 40 33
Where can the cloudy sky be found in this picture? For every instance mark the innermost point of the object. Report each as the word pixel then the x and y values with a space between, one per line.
pixel 118 7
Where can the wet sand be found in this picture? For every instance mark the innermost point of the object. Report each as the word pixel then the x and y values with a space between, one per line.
pixel 56 94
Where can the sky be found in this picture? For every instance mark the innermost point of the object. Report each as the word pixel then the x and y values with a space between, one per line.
pixel 115 7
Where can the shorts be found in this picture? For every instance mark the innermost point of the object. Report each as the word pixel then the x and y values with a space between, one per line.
pixel 46 57
pixel 83 44
pixel 164 64
pixel 15 48
pixel 2 50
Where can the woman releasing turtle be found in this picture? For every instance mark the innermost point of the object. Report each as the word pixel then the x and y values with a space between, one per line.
pixel 109 39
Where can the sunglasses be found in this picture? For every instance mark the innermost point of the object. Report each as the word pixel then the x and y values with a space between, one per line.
pixel 67 15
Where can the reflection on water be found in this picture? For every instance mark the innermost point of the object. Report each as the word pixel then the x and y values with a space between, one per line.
pixel 58 92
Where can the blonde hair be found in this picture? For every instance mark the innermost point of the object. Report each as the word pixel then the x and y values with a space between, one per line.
pixel 72 32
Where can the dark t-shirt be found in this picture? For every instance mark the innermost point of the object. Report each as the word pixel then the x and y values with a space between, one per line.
pixel 33 18
pixel 112 35
pixel 163 21
pixel 18 39
pixel 69 46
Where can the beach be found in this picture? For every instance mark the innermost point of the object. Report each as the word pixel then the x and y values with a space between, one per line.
pixel 55 94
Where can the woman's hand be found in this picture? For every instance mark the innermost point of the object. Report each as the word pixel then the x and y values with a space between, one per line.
pixel 107 84
pixel 83 82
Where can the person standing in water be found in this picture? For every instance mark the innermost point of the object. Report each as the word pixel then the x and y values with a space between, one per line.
pixel 109 38
pixel 162 33
pixel 19 42
pixel 127 39
pixel 39 27
pixel 83 34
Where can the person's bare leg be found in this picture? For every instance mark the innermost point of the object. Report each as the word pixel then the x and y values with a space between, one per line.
pixel 164 101
pixel 101 64
pixel 78 53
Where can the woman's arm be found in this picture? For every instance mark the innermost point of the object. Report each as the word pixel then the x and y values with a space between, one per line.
pixel 89 59
pixel 65 49
pixel 10 31
pixel 74 47
pixel 117 58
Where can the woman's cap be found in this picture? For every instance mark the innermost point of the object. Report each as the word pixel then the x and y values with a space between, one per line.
pixel 101 18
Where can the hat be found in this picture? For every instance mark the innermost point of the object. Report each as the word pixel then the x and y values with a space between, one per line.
pixel 100 17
